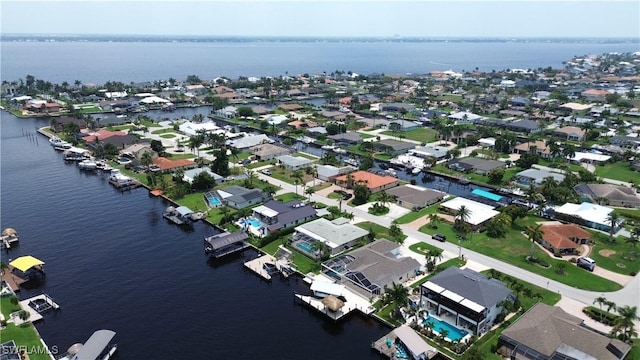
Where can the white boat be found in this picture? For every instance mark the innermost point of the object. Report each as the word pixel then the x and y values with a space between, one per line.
pixel 87 165
pixel 416 171
pixel 97 347
pixel 59 144
pixel 328 147
pixel 117 179
pixel 338 150
pixel 391 172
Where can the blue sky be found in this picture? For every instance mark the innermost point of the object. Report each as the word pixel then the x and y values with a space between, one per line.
pixel 453 18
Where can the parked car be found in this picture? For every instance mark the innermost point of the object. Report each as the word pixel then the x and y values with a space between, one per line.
pixel 345 195
pixel 266 172
pixel 439 237
pixel 586 263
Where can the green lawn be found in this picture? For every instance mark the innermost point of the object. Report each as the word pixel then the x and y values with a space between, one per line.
pixel 168 136
pixel 285 175
pixel 290 196
pixel 163 131
pixel 415 215
pixel 379 230
pixel 302 263
pixel 24 335
pixel 617 171
pixel 622 260
pixel 423 135
pixel 515 247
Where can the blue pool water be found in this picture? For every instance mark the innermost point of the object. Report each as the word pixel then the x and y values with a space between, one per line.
pixel 304 246
pixel 454 333
pixel 214 201
pixel 253 222
pixel 486 194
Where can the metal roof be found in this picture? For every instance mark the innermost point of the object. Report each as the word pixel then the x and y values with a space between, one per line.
pixel 95 345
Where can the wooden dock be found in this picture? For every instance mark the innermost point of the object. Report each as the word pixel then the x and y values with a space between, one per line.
pixel 13 280
pixel 173 218
pixel 317 304
pixel 8 240
pixel 257 265
pixel 35 315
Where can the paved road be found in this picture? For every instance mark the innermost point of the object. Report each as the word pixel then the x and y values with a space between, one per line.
pixel 629 295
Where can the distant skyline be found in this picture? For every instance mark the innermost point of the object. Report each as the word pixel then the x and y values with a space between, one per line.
pixel 355 18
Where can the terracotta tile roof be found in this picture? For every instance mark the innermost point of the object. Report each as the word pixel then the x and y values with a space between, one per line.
pixel 372 180
pixel 291 107
pixel 103 134
pixel 559 236
pixel 540 145
pixel 166 164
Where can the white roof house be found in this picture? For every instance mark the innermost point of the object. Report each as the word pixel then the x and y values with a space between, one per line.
pixel 154 100
pixel 249 141
pixel 190 128
pixel 334 234
pixel 590 157
pixel 277 119
pixel 592 213
pixel 464 117
pixel 479 212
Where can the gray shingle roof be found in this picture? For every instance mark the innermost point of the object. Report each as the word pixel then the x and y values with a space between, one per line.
pixel 472 285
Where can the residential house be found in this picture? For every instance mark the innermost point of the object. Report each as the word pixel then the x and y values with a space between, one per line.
pixel 291 107
pixel 350 137
pixel 294 162
pixel 572 133
pixel 597 95
pixel 330 172
pixel 391 146
pixel 630 142
pixel 536 177
pixel 403 125
pixel 576 107
pixel 415 197
pixel 589 158
pixel 59 123
pixel 435 152
pixel 547 332
pixel 536 147
pixel 524 126
pixel 478 165
pixel 190 174
pixel 171 165
pixel 373 182
pixel 464 117
pixel 585 214
pixel 137 150
pixel 609 194
pixel 192 128
pixel 248 141
pixel 465 298
pixel 275 215
pixel 268 151
pixel 337 235
pixel 238 197
pixel 479 213
pixel 372 268
pixel 563 238
pixel 397 107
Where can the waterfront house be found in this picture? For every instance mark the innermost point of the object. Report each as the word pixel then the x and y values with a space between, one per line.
pixel 437 153
pixel 59 123
pixel 238 197
pixel 192 129
pixel 536 177
pixel 612 195
pixel 585 214
pixel 373 182
pixel 330 172
pixel 412 197
pixel 171 165
pixel 350 137
pixel 465 298
pixel 337 235
pixel 137 150
pixel 394 147
pixel 479 213
pixel 478 165
pixel 294 162
pixel 275 215
pixel 190 174
pixel 118 141
pixel 268 151
pixel 547 332
pixel 372 268
pixel 563 238
pixel 247 141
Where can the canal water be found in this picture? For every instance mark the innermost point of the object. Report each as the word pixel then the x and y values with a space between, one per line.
pixel 113 262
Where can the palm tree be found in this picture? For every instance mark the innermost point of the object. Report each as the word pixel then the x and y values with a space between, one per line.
pixel 384 198
pixel 146 159
pixel 433 220
pixel 297 175
pixel 270 190
pixel 251 176
pixel 569 151
pixel 614 220
pixel 600 300
pixel 625 322
pixel 433 256
pixel 310 191
pixel 195 142
pixel 535 234
pixel 443 334
pixel 462 215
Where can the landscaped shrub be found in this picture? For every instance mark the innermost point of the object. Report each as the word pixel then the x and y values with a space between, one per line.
pixel 602 316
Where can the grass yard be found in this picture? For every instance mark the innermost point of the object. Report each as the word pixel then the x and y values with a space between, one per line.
pixel 415 215
pixel 423 135
pixel 302 263
pixel 619 257
pixel 287 176
pixel 617 171
pixel 379 230
pixel 515 247
pixel 23 335
pixel 168 136
pixel 290 196
pixel 163 131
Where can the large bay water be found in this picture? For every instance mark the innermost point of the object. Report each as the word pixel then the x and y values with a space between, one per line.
pixel 113 262
pixel 98 62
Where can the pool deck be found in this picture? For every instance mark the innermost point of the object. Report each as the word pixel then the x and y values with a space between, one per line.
pixel 257 265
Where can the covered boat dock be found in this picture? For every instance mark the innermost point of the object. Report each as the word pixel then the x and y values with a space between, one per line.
pixel 223 244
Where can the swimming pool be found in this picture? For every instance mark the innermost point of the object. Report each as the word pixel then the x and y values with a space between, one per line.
pixel 253 222
pixel 453 332
pixel 305 246
pixel 214 202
